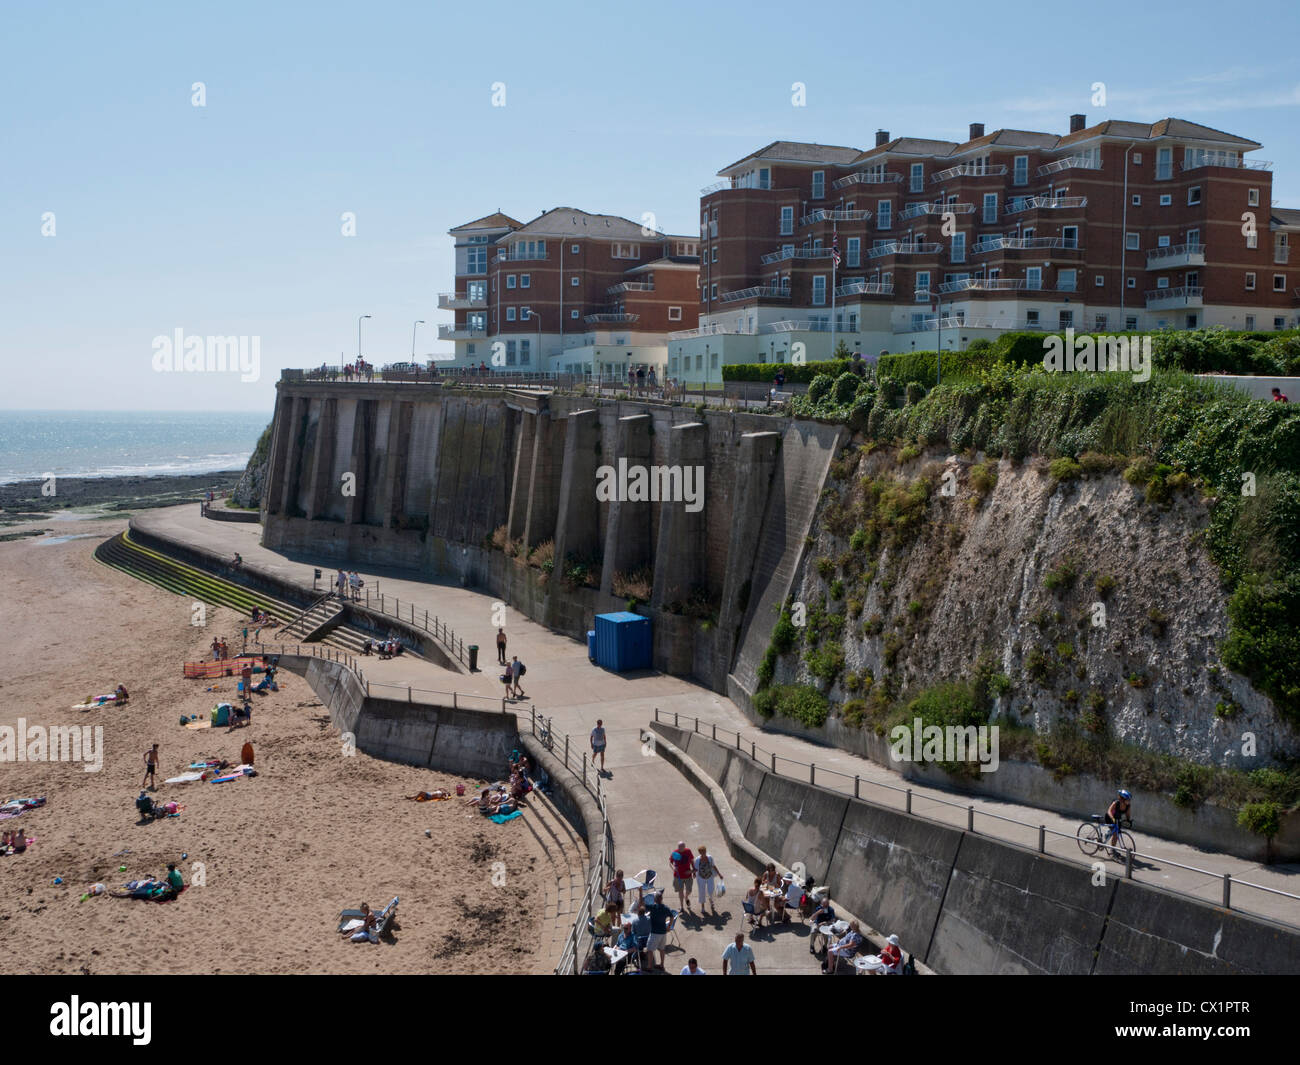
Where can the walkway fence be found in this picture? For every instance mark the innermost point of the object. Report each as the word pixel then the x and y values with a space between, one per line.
pixel 1036 837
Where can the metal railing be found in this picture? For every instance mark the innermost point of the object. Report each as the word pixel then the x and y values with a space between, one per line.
pixel 1025 244
pixel 453 301
pixel 1226 161
pixel 631 286
pixel 834 214
pixel 303 613
pixel 1017 204
pixel 717 186
pixel 983 284
pixel 868 177
pixel 1176 250
pixel 970 170
pixel 913 210
pixel 440 630
pixel 1174 294
pixel 865 288
pixel 781 254
pixel 611 316
pixel 772 762
pixel 460 332
pixel 1081 162
pixel 770 292
pixel 900 247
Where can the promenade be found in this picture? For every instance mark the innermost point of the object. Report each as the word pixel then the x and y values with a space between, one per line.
pixel 651 806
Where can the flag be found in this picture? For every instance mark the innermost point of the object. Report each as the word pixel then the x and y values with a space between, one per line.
pixel 835 248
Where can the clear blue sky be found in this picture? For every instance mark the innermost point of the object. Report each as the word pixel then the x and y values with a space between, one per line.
pixel 225 219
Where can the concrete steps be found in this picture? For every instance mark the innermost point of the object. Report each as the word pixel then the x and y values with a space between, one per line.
pixel 312 623
pixel 563 877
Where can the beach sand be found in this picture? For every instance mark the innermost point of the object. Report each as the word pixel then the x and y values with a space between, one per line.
pixel 282 853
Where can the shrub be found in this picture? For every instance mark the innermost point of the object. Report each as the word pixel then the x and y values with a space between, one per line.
pixel 825 567
pixel 820 387
pixel 1104 582
pixel 845 388
pixel 1140 471
pixel 1065 469
pixel 797 701
pixel 908 453
pixel 1159 621
pixel 837 589
pixel 1061 578
pixel 1037 665
pixel 913 393
pixel 1262 818
pixel 1065 650
pixel 984 477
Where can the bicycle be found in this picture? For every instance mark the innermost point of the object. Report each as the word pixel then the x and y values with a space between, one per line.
pixel 1094 835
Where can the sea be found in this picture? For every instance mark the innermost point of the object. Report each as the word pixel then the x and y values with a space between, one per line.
pixel 125 443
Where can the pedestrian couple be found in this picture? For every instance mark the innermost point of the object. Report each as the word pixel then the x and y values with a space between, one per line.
pixel 703 870
pixel 348 584
pixel 510 678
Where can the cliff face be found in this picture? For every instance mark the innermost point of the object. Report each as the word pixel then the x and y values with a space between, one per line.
pixel 1086 604
pixel 248 492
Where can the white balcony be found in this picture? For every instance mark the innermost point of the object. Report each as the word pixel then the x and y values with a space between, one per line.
pixel 983 284
pixel 717 186
pixel 859 287
pixel 1024 244
pixel 1225 159
pixel 766 292
pixel 1017 204
pixel 520 256
pixel 460 332
pixel 610 316
pixel 1176 256
pixel 868 177
pixel 898 247
pixel 1172 299
pixel 969 170
pixel 712 330
pixel 795 253
pixel 631 286
pixel 1070 162
pixel 914 210
pixel 450 301
pixel 839 214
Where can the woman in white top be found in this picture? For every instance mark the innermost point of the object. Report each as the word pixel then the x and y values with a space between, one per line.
pixel 705 871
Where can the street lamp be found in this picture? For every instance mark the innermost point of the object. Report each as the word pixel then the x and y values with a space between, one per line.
pixel 418 323
pixel 359 336
pixel 534 316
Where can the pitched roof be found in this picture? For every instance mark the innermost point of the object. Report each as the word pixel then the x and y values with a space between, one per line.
pixel 1011 138
pixel 569 221
pixel 908 146
pixel 688 262
pixel 1286 216
pixel 1166 127
pixel 798 152
pixel 495 220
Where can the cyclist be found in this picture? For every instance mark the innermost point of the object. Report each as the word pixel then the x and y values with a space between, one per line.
pixel 1118 811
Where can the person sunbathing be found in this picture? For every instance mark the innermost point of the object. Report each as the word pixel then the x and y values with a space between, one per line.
pixel 366 931
pixel 426 796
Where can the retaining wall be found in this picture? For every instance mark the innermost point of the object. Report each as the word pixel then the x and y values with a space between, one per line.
pixel 967 903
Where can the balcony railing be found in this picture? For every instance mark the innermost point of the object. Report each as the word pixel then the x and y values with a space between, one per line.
pixel 631 286
pixel 450 301
pixel 713 329
pixel 1178 296
pixel 1024 244
pixel 610 316
pixel 717 186
pixel 818 326
pixel 897 247
pixel 867 177
pixel 796 253
pixel 969 170
pixel 1234 164
pixel 913 210
pixel 460 332
pixel 984 284
pixel 520 256
pixel 1176 256
pixel 765 292
pixel 859 287
pixel 837 214
pixel 1017 204
pixel 1070 162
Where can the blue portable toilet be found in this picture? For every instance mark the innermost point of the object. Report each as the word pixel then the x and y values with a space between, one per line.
pixel 623 641
pixel 591 644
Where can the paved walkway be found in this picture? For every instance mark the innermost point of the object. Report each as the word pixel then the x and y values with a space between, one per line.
pixel 651 805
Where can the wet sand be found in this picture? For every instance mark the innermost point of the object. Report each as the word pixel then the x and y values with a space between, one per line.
pixel 282 853
pixel 24 500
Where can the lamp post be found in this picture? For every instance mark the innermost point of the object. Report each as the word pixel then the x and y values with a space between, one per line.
pixel 532 314
pixel 359 335
pixel 418 323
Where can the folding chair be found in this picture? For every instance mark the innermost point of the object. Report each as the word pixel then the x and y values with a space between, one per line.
pixel 672 928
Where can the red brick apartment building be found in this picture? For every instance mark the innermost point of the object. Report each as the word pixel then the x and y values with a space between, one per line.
pixel 569 291
pixel 1119 225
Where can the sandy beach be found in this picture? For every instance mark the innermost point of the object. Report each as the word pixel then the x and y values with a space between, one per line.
pixel 281 853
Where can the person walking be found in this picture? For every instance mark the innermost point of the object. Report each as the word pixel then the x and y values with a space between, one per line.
pixel 501 646
pixel 683 863
pixel 354 585
pixel 598 744
pixel 150 766
pixel 517 669
pixel 705 872
pixel 738 958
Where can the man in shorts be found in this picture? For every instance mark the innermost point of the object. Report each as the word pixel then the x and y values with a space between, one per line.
pixel 683 863
pixel 150 766
pixel 659 915
pixel 598 744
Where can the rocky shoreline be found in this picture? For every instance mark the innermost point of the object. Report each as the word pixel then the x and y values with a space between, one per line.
pixel 23 500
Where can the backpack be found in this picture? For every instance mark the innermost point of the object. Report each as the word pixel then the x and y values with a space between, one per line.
pixel 909 966
pixel 522 669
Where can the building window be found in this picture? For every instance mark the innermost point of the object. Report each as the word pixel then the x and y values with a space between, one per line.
pixel 469 349
pixel 1131 282
pixel 1034 277
pixel 1137 200
pixel 1193 195
pixel 714 253
pixel 1162 242
pixel 476 262
pixel 713 292
pixel 1070 236
pixel 764 178
pixel 1020 171
pixel 1130 323
pixel 510 280
pixel 674 314
pixel 573 314
pixel 885 214
pixel 1066 280
pixel 525 314
pixel 1279 323
pixel 626 251
pixel 1250 280
pixel 573 249
pixel 1099 323
pixel 1164 164
pixel 1065 319
pixel 923 284
pixel 819 290
pixel 573 282
pixel 1252 240
pixel 1252 197
pixel 918 177
pixel 510 352
pixel 1031 318
pixel 1166 200
pixel 787 221
pixel 525 280
pixel 853 252
pixel 525 355
pixel 510 314
pixel 818 184
pixel 1250 323
pixel 1279 282
pixel 1099 281
pixel 1137 158
pixel 958 248
pixel 1131 241
pixel 990 207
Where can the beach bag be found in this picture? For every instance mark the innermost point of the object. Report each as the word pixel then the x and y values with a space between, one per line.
pixel 721 888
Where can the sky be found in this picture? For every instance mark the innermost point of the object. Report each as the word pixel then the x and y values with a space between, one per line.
pixel 128 213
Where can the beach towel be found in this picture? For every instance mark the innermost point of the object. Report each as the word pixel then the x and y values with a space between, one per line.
pixel 198 724
pixel 501 819
pixel 184 778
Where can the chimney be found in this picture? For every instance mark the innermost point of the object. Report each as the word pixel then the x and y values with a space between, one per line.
pixel 882 137
pixel 1077 122
pixel 976 130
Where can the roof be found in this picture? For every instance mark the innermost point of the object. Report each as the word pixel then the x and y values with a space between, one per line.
pixel 798 152
pixel 496 220
pixel 1286 216
pixel 1166 127
pixel 1011 138
pixel 908 146
pixel 683 262
pixel 569 221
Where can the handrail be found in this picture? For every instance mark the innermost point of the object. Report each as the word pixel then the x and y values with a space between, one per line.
pixel 303 613
pixel 441 631
pixel 1017 204
pixel 912 210
pixel 770 762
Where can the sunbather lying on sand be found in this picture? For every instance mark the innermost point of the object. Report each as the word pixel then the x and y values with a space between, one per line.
pixel 426 796
pixel 14 842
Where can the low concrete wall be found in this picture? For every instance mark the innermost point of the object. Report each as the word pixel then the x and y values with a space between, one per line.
pixel 1257 387
pixel 219 512
pixel 966 903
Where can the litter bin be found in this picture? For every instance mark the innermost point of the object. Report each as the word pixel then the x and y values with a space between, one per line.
pixel 591 644
pixel 473 657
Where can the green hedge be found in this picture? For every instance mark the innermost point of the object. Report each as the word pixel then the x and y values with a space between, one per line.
pixel 801 373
